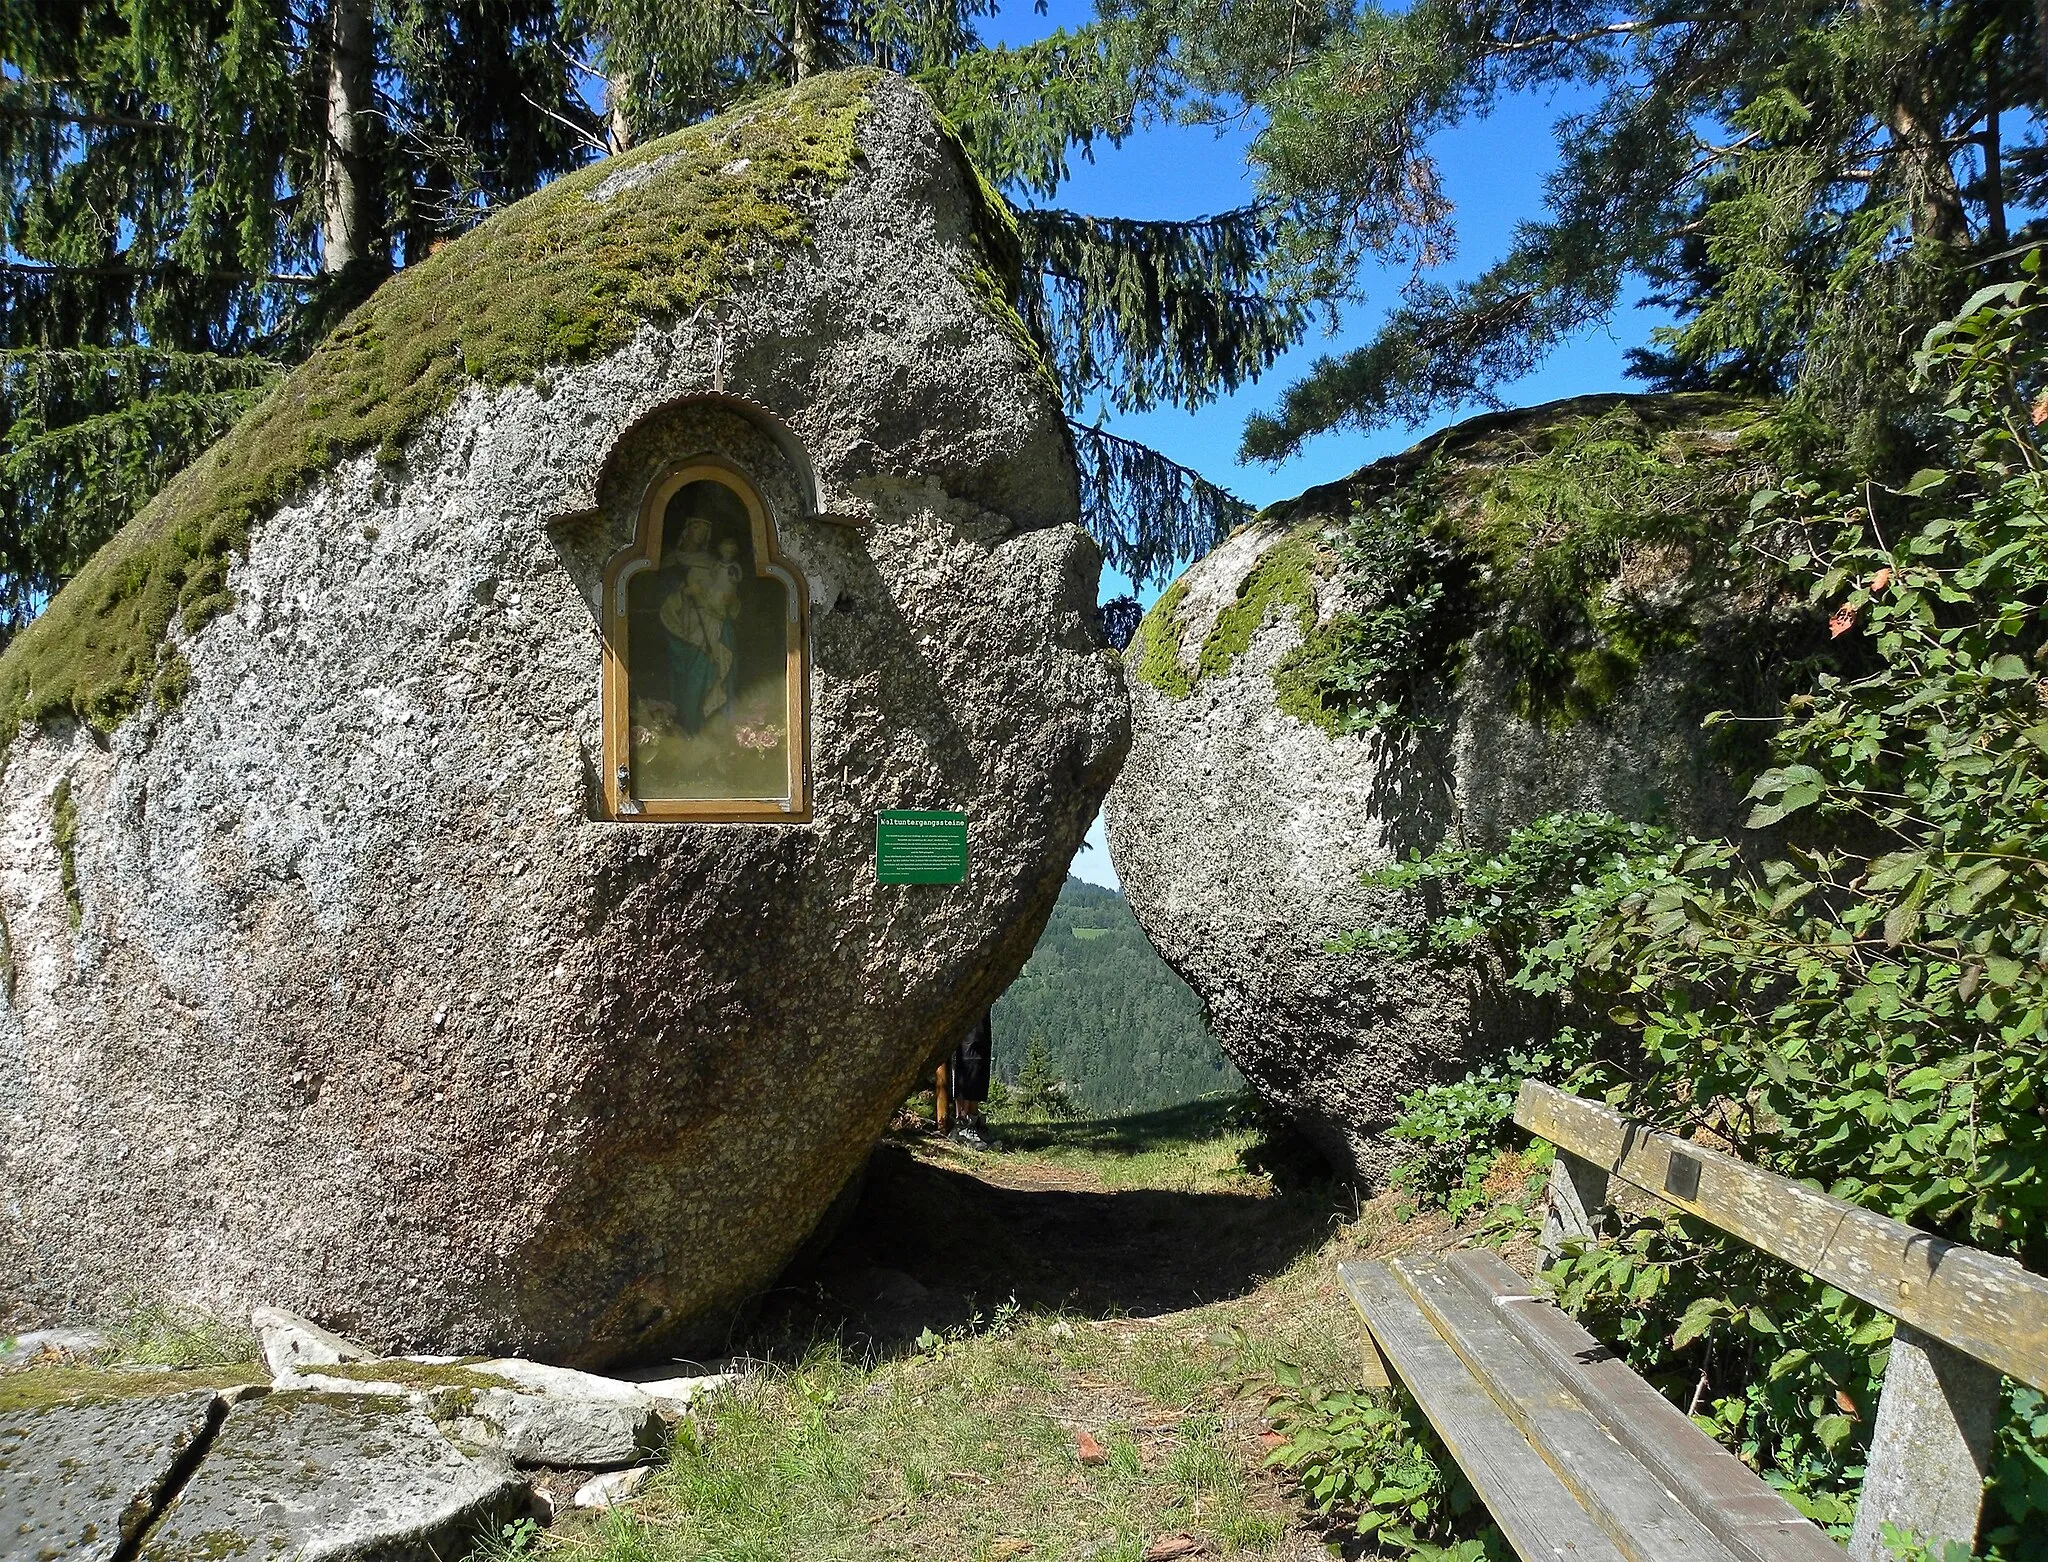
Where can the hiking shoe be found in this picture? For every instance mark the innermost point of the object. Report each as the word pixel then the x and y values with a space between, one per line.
pixel 969 1134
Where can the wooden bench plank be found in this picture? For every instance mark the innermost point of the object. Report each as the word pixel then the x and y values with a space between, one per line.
pixel 1643 1519
pixel 1720 1490
pixel 1989 1308
pixel 1539 1516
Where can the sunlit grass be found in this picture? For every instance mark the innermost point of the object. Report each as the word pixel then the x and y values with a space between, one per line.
pixel 1198 1147
pixel 964 1449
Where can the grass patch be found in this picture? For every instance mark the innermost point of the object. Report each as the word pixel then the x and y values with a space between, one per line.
pixel 558 278
pixel 1201 1146
pixel 961 1446
pixel 967 1454
pixel 160 1334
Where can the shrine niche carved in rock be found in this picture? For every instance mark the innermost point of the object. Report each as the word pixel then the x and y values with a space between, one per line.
pixel 704 662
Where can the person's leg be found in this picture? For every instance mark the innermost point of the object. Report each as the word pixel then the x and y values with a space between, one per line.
pixel 970 1080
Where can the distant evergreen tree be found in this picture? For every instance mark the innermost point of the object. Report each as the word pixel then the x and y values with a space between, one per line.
pixel 1811 184
pixel 1118 1028
pixel 196 189
pixel 1039 1089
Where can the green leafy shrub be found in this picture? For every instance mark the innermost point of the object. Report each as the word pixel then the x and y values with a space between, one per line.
pixel 1462 1134
pixel 1400 640
pixel 1783 1369
pixel 1511 902
pixel 1368 1460
pixel 1853 994
pixel 1857 997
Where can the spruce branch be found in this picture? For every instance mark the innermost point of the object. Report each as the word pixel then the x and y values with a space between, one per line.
pixel 1148 513
pixel 1142 312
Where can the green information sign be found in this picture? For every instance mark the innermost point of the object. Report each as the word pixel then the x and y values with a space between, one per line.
pixel 917 847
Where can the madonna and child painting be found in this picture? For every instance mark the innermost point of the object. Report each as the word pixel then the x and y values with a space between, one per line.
pixel 708 653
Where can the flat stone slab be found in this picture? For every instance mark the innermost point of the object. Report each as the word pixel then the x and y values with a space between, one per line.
pixel 292 1344
pixel 333 1478
pixel 85 1458
pixel 537 1414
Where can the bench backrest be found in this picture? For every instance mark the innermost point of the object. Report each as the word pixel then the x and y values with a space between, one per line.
pixel 1988 1308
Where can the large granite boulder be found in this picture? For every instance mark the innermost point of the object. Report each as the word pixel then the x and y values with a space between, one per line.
pixel 1528 614
pixel 339 972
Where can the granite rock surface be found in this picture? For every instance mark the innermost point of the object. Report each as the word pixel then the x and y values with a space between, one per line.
pixel 81 1477
pixel 1248 815
pixel 334 1478
pixel 332 985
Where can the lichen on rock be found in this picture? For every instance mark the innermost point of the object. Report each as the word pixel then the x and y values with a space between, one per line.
pixel 1530 612
pixel 386 1018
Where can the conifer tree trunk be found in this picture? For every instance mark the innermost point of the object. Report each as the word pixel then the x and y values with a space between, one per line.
pixel 1934 199
pixel 618 132
pixel 805 46
pixel 346 191
pixel 1937 202
pixel 2041 42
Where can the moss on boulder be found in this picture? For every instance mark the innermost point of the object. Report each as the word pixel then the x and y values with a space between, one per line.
pixel 562 277
pixel 351 938
pixel 1530 613
pixel 1576 538
pixel 26 1390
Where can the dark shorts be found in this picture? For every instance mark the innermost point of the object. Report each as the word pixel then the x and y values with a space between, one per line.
pixel 970 1063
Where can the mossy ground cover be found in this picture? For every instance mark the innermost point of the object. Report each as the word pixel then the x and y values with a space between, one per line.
pixel 961 1443
pixel 1579 541
pixel 37 1388
pixel 557 279
pixel 414 1374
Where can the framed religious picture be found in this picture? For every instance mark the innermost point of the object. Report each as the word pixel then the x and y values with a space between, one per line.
pixel 704 658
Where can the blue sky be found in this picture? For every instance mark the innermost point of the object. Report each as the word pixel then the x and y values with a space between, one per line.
pixel 1493 170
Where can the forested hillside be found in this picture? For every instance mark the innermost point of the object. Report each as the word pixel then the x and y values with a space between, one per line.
pixel 1122 1030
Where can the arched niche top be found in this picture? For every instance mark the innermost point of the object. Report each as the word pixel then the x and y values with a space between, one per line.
pixel 706 628
pixel 802 474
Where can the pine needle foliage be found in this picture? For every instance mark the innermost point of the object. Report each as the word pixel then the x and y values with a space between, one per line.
pixel 1809 184
pixel 558 279
pixel 89 435
pixel 159 251
pixel 1023 113
pixel 1147 512
pixel 1146 312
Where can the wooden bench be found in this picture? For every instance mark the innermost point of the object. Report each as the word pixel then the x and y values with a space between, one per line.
pixel 1576 1457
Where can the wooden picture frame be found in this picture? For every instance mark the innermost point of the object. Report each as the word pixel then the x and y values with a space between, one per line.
pixel 622 796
